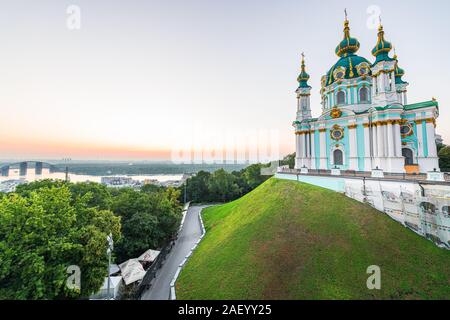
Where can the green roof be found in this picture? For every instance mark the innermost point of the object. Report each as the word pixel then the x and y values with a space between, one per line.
pixel 425 104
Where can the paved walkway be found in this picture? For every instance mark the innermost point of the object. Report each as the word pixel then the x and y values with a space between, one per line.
pixel 189 235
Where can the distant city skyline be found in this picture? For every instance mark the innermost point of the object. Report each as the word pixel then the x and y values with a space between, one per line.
pixel 141 79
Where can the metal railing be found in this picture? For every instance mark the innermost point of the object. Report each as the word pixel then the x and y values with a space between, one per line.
pixel 361 174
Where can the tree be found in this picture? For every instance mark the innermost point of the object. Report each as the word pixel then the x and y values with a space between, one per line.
pixel 444 158
pixel 149 220
pixel 253 177
pixel 42 233
pixel 100 195
pixel 197 187
pixel 288 160
pixel 223 187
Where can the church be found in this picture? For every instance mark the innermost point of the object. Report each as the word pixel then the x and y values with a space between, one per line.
pixel 366 122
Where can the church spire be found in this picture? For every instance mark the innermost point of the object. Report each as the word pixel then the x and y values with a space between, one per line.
pixel 303 76
pixel 383 47
pixel 348 45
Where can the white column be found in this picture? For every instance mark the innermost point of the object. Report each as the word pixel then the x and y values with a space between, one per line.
pixel 367 146
pixel 303 149
pixel 313 153
pixel 390 140
pixel 420 144
pixel 398 139
pixel 307 154
pixel 405 100
pixel 375 141
pixel 307 161
pixel 323 152
pixel 380 141
pixel 431 137
pixel 297 151
pixel 353 164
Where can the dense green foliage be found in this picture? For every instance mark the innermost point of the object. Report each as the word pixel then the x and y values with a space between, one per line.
pixel 42 233
pixel 222 186
pixel 149 219
pixel 46 226
pixel 289 240
pixel 444 158
pixel 288 160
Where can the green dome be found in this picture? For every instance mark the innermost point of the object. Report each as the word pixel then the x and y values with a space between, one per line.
pixel 350 64
pixel 303 77
pixel 399 72
pixel 382 48
pixel 348 45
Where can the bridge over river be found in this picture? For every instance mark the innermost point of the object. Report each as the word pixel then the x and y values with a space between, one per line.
pixel 24 166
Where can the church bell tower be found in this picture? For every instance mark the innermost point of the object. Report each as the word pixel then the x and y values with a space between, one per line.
pixel 303 94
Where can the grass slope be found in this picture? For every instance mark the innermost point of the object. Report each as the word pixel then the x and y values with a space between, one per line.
pixel 289 240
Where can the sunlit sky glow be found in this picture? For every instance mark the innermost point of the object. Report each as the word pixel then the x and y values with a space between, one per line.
pixel 142 75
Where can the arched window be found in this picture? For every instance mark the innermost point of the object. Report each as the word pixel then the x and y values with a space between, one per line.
pixel 363 95
pixel 338 157
pixel 325 102
pixel 408 155
pixel 446 210
pixel 340 98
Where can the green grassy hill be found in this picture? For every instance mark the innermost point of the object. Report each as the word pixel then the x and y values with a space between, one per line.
pixel 289 240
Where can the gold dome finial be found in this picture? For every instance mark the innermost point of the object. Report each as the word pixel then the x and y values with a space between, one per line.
pixel 346 27
pixel 395 53
pixel 303 61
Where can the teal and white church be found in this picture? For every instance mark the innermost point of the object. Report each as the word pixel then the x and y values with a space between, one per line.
pixel 366 121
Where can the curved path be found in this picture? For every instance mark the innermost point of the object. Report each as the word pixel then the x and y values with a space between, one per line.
pixel 189 235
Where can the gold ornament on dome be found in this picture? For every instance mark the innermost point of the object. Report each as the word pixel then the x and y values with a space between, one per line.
pixel 335 113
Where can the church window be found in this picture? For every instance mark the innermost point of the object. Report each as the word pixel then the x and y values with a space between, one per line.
pixel 363 69
pixel 340 98
pixel 339 73
pixel 363 95
pixel 446 210
pixel 338 157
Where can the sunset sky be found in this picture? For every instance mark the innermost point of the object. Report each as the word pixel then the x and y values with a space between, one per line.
pixel 140 78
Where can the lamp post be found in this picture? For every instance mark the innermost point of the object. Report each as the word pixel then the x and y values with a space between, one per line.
pixel 109 238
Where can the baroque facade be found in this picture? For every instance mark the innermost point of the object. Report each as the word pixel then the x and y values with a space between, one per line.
pixel 366 121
